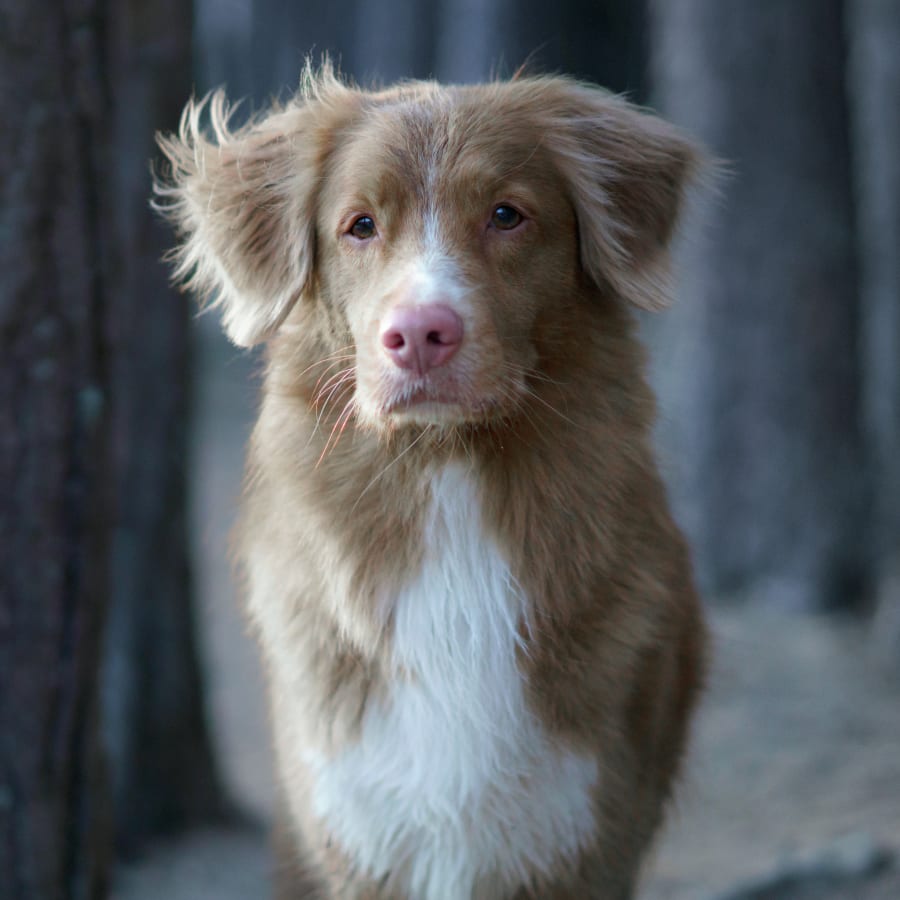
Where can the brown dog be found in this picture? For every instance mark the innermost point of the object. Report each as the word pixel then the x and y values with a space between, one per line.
pixel 481 635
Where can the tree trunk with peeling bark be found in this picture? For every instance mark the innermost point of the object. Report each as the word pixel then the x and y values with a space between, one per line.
pixel 55 402
pixel 93 414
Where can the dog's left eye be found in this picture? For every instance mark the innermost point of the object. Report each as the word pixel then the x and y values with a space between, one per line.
pixel 505 217
pixel 363 228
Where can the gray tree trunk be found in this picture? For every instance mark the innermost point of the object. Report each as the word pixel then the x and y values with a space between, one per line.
pixel 874 29
pixel 55 400
pixel 600 41
pixel 284 33
pixel 758 366
pixel 221 46
pixel 163 774
pixel 452 40
pixel 372 42
pixel 393 40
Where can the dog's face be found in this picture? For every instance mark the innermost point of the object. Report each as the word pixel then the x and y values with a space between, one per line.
pixel 443 248
pixel 440 239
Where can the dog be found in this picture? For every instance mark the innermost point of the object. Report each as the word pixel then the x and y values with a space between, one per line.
pixel 478 621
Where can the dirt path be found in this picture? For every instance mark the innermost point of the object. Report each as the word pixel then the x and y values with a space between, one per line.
pixel 797 747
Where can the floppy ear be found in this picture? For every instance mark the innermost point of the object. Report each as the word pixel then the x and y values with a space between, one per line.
pixel 243 203
pixel 628 172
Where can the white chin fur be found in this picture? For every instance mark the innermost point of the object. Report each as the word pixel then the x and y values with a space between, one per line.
pixel 423 413
pixel 430 413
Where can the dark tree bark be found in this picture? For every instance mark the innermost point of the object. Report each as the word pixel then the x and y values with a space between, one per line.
pixel 221 46
pixel 284 33
pixel 874 29
pixel 55 461
pixel 760 377
pixel 452 40
pixel 599 41
pixel 393 41
pixel 163 773
pixel 371 42
pixel 92 416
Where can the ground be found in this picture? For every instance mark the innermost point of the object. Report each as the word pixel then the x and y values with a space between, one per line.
pixel 793 787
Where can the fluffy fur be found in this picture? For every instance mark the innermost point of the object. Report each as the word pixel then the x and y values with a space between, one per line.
pixel 477 616
pixel 472 755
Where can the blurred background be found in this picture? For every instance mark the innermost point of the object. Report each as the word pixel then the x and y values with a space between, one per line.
pixel 134 757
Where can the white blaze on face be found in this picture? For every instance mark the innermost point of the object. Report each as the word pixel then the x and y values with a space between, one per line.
pixel 434 269
pixel 425 272
pixel 433 275
pixel 429 274
pixel 433 278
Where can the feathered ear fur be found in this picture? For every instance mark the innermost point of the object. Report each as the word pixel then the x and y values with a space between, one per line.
pixel 628 171
pixel 243 202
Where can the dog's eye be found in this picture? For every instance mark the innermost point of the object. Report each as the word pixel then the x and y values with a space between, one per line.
pixel 505 218
pixel 363 228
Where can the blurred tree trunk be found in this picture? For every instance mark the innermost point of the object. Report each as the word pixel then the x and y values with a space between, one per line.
pixel 93 340
pixel 163 775
pixel 604 42
pixel 874 28
pixel 393 40
pixel 221 48
pixel 55 461
pixel 371 42
pixel 452 40
pixel 284 32
pixel 760 374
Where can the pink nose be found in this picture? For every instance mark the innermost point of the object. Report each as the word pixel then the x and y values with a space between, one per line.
pixel 421 338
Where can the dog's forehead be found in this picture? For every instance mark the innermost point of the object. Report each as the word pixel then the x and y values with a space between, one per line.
pixel 445 133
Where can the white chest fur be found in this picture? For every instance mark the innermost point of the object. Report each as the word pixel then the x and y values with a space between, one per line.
pixel 454 787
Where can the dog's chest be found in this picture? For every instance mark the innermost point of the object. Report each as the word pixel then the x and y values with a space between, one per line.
pixel 454 789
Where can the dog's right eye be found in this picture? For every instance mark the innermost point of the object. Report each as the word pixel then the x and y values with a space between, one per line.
pixel 505 217
pixel 362 228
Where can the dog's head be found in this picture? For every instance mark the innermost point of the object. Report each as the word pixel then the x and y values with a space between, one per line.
pixel 436 239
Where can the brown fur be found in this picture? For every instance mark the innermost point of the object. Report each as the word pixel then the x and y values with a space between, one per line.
pixel 550 410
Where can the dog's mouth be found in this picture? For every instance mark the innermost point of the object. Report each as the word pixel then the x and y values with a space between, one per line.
pixel 427 406
pixel 426 403
pixel 449 397
pixel 418 397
